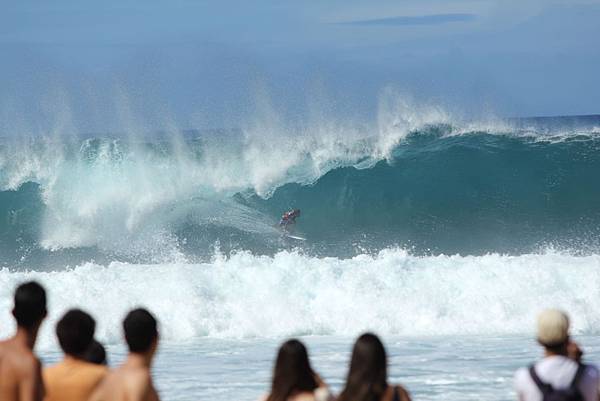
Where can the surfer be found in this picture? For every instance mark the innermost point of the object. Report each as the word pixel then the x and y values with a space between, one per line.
pixel 288 218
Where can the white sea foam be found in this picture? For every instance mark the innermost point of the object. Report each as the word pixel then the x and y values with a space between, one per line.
pixel 292 294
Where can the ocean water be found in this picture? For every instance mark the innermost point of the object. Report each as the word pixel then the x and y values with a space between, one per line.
pixel 434 367
pixel 445 237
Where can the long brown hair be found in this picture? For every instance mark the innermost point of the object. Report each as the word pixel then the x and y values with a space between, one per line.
pixel 367 376
pixel 292 371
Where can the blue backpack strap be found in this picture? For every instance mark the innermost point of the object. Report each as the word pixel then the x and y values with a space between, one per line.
pixel 580 369
pixel 544 388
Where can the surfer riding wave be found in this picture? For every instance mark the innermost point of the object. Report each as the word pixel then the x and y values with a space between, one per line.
pixel 288 219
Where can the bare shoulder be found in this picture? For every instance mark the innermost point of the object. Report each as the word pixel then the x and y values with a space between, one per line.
pixel 404 395
pixel 139 377
pixel 139 385
pixel 99 371
pixel 322 393
pixel 108 386
pixel 29 363
pixel 4 348
pixel 21 359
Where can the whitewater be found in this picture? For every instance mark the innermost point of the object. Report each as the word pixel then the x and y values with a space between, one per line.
pixel 245 296
pixel 445 237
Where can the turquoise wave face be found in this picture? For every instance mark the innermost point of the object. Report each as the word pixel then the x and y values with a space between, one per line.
pixel 438 189
pixel 468 194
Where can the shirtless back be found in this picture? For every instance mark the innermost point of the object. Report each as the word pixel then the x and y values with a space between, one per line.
pixel 73 378
pixel 20 370
pixel 132 380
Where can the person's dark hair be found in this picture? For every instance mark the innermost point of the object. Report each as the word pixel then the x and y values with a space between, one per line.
pixel 30 304
pixel 75 332
pixel 560 349
pixel 292 371
pixel 367 376
pixel 95 353
pixel 140 330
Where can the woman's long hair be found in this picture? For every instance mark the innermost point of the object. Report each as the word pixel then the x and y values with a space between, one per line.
pixel 292 372
pixel 367 377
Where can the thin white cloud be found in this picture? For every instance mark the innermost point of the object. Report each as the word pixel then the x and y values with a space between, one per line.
pixel 432 19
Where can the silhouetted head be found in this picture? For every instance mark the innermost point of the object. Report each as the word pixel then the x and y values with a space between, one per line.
pixel 141 331
pixel 296 212
pixel 292 371
pixel 367 376
pixel 95 353
pixel 30 305
pixel 75 332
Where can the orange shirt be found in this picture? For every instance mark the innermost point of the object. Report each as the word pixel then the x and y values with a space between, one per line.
pixel 72 380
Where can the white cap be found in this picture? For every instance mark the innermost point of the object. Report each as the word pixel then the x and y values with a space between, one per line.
pixel 553 327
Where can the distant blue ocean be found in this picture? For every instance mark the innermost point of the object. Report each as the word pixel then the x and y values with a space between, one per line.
pixel 427 230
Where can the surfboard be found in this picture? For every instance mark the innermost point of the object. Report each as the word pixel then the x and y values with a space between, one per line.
pixel 295 237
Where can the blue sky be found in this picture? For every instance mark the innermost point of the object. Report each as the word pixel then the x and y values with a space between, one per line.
pixel 93 66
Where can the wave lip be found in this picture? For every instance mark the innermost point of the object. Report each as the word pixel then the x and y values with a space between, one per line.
pixel 392 292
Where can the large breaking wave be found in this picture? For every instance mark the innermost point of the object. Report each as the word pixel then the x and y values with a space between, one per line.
pixel 423 184
pixel 184 223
